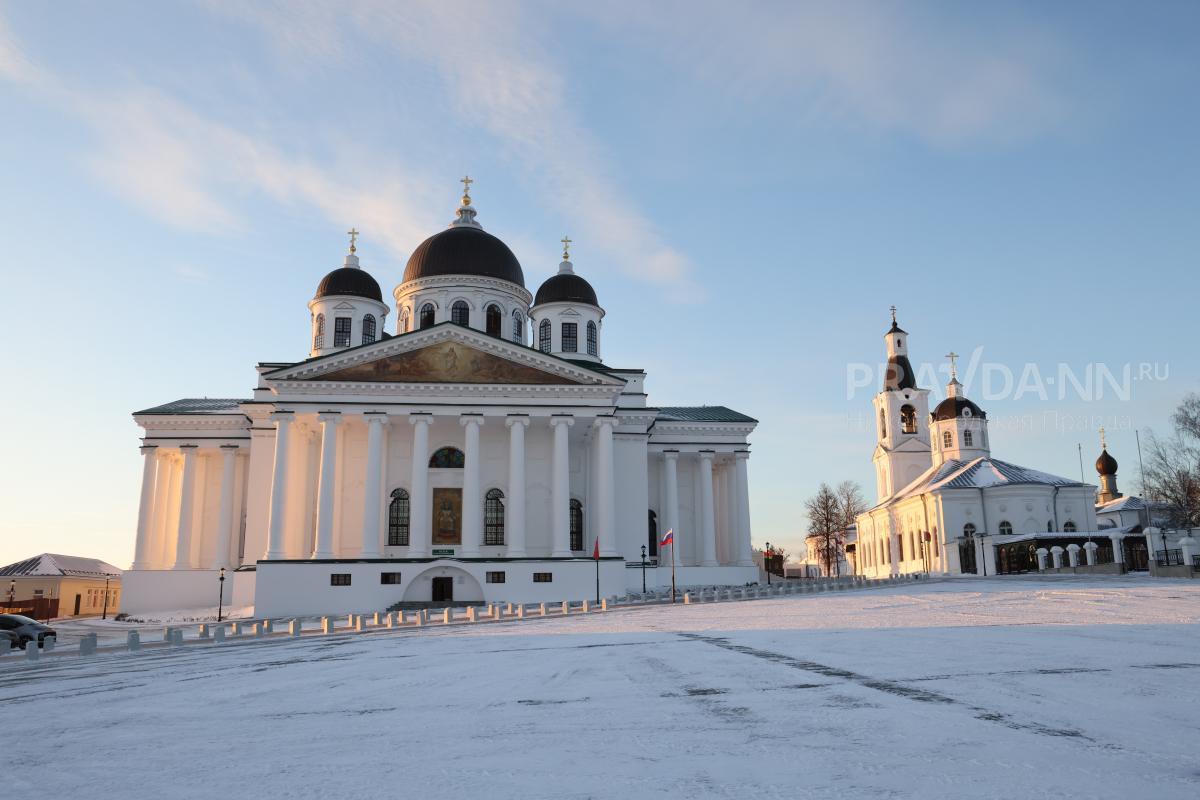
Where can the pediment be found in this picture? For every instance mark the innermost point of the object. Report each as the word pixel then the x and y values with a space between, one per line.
pixel 444 355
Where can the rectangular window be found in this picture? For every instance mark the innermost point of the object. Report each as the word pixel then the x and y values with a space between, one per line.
pixel 543 577
pixel 339 579
pixel 341 332
pixel 389 578
pixel 495 577
pixel 570 337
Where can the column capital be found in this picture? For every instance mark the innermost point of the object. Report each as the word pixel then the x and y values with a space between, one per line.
pixel 741 455
pixel 707 455
pixel 470 419
pixel 600 422
pixel 517 419
pixel 377 417
pixel 188 448
pixel 333 417
pixel 148 449
pixel 282 416
pixel 420 418
pixel 562 419
pixel 230 448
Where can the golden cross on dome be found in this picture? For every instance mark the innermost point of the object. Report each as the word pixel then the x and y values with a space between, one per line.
pixel 353 238
pixel 953 356
pixel 466 182
pixel 566 243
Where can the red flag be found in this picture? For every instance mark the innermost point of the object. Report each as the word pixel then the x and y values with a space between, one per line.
pixel 596 549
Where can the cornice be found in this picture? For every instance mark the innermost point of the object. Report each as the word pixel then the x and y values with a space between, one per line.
pixel 408 288
pixel 184 422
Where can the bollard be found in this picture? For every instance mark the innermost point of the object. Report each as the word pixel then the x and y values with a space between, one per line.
pixel 400 618
pixel 585 606
pixel 358 623
pixel 133 641
pixel 33 654
pixel 294 627
pixel 203 634
pixel 687 598
pixel 268 627
pixel 417 621
pixel 255 630
pixel 167 634
pixel 376 621
pixel 604 604
pixel 176 637
pixel 566 607
pixel 447 615
pixel 87 645
pixel 48 643
pixel 326 625
pixel 391 620
pixel 509 609
pixel 470 613
pixel 235 629
pixel 521 611
pixel 542 609
pixel 219 634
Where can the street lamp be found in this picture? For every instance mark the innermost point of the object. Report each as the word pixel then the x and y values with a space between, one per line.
pixel 104 614
pixel 767 562
pixel 220 594
pixel 643 569
pixel 12 592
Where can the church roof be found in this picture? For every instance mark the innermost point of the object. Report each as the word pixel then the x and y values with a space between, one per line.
pixel 701 414
pixel 196 405
pixel 464 251
pixel 954 407
pixel 52 564
pixel 350 281
pixel 979 473
pixel 1128 503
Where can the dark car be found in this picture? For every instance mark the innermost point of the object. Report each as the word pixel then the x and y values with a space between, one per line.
pixel 26 630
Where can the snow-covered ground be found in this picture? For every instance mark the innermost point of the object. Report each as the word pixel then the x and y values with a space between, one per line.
pixel 970 688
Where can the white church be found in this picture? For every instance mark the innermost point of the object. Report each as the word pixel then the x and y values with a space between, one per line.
pixel 946 505
pixel 484 452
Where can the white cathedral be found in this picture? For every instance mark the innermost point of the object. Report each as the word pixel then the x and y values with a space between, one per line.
pixel 946 505
pixel 453 461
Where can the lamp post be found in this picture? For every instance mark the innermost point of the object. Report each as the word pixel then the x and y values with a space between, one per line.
pixel 643 569
pixel 104 613
pixel 12 592
pixel 767 562
pixel 220 594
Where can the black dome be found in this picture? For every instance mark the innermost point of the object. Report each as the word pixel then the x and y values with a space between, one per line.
pixel 464 251
pixel 953 407
pixel 566 287
pixel 899 375
pixel 351 281
pixel 1106 464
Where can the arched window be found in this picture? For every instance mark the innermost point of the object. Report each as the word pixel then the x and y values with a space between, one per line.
pixel 544 336
pixel 492 319
pixel 1005 528
pixel 947 440
pixel 493 517
pixel 398 519
pixel 652 536
pixel 427 314
pixel 460 313
pixel 593 343
pixel 368 327
pixel 404 321
pixel 570 337
pixel 576 518
pixel 447 458
pixel 319 336
pixel 882 424
pixel 518 323
pixel 908 419
pixel 1069 526
pixel 967 437
pixel 968 530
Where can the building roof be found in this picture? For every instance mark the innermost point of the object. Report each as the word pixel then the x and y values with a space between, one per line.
pixel 979 473
pixel 350 281
pixel 701 414
pixel 566 287
pixel 954 407
pixel 196 405
pixel 899 375
pixel 464 250
pixel 1127 503
pixel 55 565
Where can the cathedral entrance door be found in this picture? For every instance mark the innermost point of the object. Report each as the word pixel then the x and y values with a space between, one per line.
pixel 443 590
pixel 966 555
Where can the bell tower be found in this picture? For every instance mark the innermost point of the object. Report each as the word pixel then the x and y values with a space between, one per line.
pixel 902 451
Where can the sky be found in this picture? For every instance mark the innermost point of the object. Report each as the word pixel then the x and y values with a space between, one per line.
pixel 749 188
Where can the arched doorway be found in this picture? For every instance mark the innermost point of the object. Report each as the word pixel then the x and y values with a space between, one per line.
pixel 444 585
pixel 652 535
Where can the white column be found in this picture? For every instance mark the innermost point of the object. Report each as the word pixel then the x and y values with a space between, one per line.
pixel 671 514
pixel 727 524
pixel 225 507
pixel 606 529
pixel 560 499
pixel 376 420
pixel 170 527
pixel 472 512
pixel 162 501
pixel 745 553
pixel 278 509
pixel 514 510
pixel 708 553
pixel 183 541
pixel 326 478
pixel 894 549
pixel 419 530
pixel 145 526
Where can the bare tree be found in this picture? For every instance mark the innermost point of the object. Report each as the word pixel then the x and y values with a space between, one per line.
pixel 825 524
pixel 850 504
pixel 1172 471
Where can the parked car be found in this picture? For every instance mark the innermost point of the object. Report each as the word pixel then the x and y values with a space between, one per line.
pixel 8 640
pixel 25 629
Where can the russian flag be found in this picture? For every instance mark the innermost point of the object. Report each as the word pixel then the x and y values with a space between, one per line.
pixel 668 538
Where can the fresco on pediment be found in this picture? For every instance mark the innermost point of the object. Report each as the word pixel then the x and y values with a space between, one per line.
pixel 445 362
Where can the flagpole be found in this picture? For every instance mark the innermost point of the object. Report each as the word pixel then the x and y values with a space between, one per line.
pixel 596 558
pixel 672 566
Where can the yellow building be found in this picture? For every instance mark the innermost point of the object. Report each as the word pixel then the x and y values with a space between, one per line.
pixel 52 586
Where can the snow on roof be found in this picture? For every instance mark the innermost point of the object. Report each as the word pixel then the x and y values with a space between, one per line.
pixel 1128 503
pixel 980 473
pixel 55 565
pixel 196 405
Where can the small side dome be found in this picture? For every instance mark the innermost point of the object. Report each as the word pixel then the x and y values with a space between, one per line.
pixel 350 281
pixel 1106 464
pixel 566 287
pixel 956 407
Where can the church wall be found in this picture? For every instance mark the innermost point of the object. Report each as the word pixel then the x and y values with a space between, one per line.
pixel 539 453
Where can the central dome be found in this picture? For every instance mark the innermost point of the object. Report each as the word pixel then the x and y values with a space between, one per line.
pixel 464 250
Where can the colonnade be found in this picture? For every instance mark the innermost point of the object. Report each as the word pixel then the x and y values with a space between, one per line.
pixel 726 481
